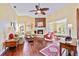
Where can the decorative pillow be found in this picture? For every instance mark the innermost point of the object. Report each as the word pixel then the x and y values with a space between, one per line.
pixel 11 36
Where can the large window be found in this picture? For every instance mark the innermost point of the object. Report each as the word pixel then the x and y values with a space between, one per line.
pixel 3 33
pixel 59 26
pixel 21 29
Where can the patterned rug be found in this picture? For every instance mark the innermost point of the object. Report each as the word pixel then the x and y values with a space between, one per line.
pixel 51 50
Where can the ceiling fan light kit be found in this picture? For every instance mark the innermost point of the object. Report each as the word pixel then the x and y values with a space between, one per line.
pixel 39 10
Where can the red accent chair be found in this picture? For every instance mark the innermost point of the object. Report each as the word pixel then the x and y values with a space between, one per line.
pixel 48 36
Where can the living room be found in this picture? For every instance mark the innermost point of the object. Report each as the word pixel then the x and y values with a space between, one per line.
pixel 36 31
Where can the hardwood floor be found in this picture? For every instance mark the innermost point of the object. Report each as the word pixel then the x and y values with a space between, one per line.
pixel 28 48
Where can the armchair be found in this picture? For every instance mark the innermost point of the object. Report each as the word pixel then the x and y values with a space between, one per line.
pixel 49 37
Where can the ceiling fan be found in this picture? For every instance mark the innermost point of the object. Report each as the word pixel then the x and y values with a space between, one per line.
pixel 39 10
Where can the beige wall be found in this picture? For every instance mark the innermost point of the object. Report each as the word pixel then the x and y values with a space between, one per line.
pixel 26 20
pixel 7 12
pixel 68 12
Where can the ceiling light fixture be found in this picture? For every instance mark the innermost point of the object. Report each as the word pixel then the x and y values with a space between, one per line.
pixel 39 11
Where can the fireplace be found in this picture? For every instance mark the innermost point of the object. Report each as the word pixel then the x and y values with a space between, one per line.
pixel 40 32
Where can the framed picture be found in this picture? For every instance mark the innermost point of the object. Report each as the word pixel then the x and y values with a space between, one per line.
pixel 40 22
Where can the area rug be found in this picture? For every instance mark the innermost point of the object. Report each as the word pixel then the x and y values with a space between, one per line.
pixel 51 50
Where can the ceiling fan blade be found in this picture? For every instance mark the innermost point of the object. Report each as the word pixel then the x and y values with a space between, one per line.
pixel 43 13
pixel 37 7
pixel 44 9
pixel 36 13
pixel 32 10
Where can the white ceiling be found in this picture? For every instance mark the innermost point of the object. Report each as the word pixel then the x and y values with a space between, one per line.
pixel 22 9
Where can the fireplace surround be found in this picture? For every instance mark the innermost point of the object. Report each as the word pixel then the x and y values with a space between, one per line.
pixel 40 26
